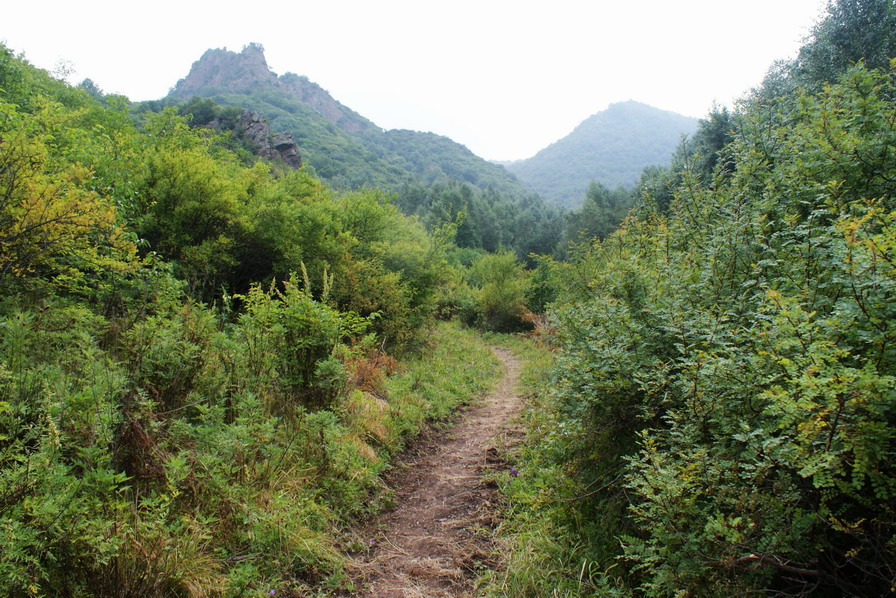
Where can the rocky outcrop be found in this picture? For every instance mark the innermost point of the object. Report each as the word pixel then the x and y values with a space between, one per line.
pixel 223 71
pixel 279 146
pixel 220 70
pixel 316 97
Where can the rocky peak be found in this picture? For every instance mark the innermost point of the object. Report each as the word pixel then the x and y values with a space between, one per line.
pixel 223 71
pixel 220 70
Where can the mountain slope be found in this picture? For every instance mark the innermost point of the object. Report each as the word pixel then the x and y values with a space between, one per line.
pixel 611 147
pixel 343 147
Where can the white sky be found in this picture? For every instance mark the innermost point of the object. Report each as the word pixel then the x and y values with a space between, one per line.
pixel 504 77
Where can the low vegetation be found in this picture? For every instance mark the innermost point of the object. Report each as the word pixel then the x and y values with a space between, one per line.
pixel 205 364
pixel 207 361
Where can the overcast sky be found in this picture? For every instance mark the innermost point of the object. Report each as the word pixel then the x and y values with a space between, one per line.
pixel 505 78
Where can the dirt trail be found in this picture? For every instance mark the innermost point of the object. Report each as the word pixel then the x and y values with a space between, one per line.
pixel 439 534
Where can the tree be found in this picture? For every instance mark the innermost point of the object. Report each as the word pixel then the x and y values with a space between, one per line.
pixel 52 223
pixel 852 31
pixel 499 284
pixel 600 214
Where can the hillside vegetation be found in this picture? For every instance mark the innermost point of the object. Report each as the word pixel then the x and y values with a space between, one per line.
pixel 721 416
pixel 611 147
pixel 349 152
pixel 199 384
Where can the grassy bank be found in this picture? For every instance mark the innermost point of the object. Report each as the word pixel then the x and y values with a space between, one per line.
pixel 231 488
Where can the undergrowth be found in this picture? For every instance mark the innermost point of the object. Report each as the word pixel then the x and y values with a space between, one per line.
pixel 541 540
pixel 195 460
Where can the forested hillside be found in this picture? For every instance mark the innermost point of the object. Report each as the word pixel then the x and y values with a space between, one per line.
pixel 721 416
pixel 611 147
pixel 199 375
pixel 350 152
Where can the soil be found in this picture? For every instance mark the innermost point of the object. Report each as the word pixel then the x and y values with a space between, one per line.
pixel 438 537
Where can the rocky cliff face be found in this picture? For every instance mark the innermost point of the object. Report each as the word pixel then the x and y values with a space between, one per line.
pixel 280 145
pixel 223 71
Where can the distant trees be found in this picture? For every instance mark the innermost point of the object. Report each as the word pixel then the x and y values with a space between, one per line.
pixel 600 214
pixel 486 219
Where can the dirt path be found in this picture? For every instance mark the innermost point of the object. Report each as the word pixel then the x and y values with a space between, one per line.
pixel 439 534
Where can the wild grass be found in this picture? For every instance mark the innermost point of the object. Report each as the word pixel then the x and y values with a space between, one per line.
pixel 539 536
pixel 170 474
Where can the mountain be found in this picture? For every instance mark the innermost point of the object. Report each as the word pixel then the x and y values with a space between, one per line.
pixel 343 147
pixel 611 147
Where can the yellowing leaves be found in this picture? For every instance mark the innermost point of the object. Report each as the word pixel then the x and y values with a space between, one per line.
pixel 50 223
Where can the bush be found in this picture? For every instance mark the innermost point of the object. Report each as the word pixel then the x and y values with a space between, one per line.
pixel 499 284
pixel 293 345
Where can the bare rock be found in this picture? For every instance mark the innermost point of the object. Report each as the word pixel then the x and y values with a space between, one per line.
pixel 223 71
pixel 285 145
pixel 272 147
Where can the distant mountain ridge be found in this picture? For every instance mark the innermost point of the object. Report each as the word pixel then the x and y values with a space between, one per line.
pixel 350 151
pixel 342 146
pixel 612 147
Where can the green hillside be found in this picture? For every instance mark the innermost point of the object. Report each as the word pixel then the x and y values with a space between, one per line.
pixel 350 152
pixel 611 147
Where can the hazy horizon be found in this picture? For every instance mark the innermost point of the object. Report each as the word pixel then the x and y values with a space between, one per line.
pixel 505 79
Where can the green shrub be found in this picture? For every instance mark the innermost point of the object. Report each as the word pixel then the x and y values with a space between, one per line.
pixel 499 284
pixel 292 344
pixel 731 366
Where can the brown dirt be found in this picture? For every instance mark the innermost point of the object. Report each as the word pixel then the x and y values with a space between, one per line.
pixel 439 535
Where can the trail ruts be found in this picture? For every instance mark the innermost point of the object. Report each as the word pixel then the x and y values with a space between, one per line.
pixel 439 535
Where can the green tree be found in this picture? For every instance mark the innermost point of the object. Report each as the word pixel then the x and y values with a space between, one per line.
pixel 499 284
pixel 599 215
pixel 852 31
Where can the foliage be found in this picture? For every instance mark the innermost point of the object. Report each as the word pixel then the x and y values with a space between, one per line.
pixel 600 214
pixel 499 293
pixel 53 224
pixel 723 396
pixel 852 31
pixel 195 398
pixel 849 32
pixel 702 156
pixel 485 219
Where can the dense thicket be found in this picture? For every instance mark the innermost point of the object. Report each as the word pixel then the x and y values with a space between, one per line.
pixel 193 356
pixel 725 389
